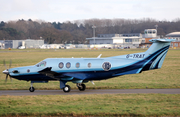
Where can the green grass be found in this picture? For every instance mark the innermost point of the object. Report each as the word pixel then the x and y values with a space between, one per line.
pixel 166 77
pixel 91 105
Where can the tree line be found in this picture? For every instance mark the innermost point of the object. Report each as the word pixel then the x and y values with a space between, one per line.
pixel 76 32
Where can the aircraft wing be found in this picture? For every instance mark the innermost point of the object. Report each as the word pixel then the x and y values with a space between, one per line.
pixel 47 71
pixel 58 76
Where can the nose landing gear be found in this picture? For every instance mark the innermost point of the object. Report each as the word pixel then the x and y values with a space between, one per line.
pixel 31 89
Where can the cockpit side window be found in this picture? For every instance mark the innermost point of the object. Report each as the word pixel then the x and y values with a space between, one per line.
pixel 41 64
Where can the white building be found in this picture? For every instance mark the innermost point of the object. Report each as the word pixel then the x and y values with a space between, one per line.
pixel 129 39
pixel 150 33
pixel 132 39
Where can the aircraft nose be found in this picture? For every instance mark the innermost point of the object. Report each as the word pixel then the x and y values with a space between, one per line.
pixel 6 71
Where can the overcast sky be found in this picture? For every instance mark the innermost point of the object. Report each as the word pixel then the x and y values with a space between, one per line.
pixel 70 10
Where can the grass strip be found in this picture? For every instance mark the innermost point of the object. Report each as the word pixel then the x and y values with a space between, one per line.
pixel 91 105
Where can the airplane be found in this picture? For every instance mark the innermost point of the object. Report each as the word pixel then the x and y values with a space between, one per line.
pixel 83 70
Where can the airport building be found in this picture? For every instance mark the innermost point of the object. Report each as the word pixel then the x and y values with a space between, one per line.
pixel 148 35
pixel 174 35
pixel 28 43
pixel 127 39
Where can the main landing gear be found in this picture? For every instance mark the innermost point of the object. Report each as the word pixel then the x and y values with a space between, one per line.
pixel 31 89
pixel 81 87
pixel 67 88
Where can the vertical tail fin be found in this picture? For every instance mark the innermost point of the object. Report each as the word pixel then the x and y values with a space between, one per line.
pixel 156 54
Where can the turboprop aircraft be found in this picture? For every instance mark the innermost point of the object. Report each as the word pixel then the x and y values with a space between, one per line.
pixel 83 70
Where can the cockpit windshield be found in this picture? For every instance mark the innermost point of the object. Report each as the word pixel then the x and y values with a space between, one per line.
pixel 41 64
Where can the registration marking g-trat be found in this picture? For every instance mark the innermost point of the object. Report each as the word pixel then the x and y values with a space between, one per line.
pixel 135 56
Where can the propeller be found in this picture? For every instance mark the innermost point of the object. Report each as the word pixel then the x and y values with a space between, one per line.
pixel 7 70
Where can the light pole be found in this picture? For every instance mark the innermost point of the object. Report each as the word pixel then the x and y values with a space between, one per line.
pixel 156 28
pixel 94 32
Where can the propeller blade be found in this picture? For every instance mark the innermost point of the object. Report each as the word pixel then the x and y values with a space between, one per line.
pixel 10 63
pixel 6 78
pixel 4 64
pixel 7 70
pixel 10 78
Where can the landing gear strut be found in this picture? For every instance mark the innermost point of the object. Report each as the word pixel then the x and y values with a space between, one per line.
pixel 81 87
pixel 31 89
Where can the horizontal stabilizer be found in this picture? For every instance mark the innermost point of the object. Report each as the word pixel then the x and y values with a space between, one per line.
pixel 162 40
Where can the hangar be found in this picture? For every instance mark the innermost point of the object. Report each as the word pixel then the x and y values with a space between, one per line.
pixel 28 43
pixel 174 35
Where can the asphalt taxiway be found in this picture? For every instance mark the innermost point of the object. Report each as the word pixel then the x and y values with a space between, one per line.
pixel 89 91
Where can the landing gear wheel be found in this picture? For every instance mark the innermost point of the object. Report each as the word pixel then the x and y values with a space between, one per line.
pixel 67 88
pixel 82 87
pixel 31 89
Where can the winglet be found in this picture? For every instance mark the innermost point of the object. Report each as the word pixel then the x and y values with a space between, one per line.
pixel 99 56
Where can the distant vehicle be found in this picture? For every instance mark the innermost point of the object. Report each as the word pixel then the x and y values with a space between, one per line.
pixel 119 47
pixel 109 48
pixel 22 47
pixel 61 47
pixel 127 47
pixel 67 47
pixel 83 70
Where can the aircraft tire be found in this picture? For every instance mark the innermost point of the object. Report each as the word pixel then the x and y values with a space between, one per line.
pixel 82 87
pixel 67 88
pixel 31 89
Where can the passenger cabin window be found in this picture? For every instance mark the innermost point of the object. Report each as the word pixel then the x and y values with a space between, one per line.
pixel 77 65
pixel 61 65
pixel 68 65
pixel 41 64
pixel 89 65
